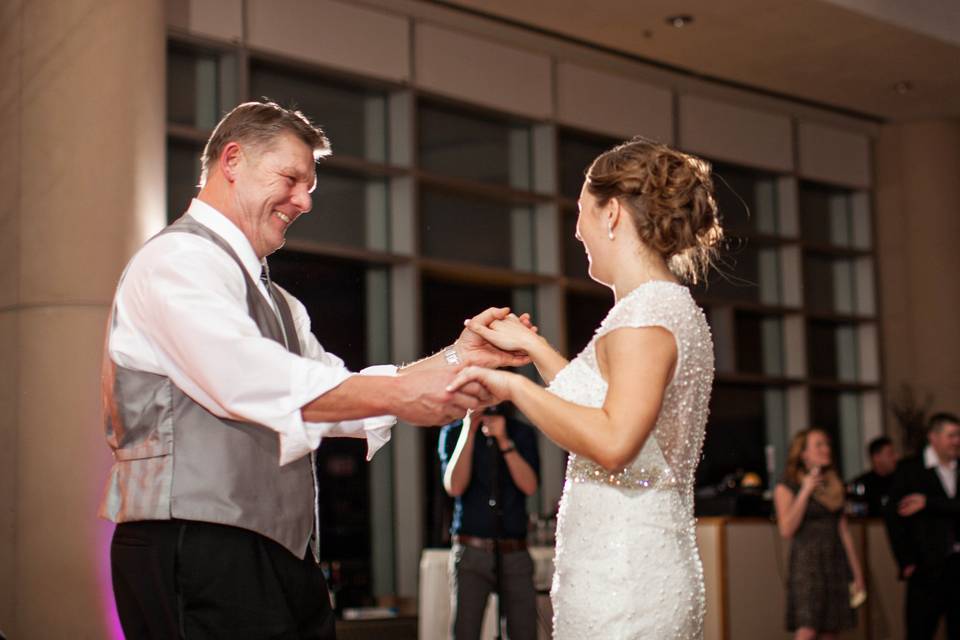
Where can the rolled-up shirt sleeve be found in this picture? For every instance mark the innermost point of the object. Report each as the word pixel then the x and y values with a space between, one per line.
pixel 377 429
pixel 190 316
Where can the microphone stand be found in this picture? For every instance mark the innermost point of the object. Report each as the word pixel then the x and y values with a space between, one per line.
pixel 495 494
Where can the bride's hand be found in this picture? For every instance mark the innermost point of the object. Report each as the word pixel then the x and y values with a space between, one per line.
pixel 499 384
pixel 508 333
pixel 474 349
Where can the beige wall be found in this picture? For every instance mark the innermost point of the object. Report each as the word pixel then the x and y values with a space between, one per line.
pixel 832 155
pixel 711 542
pixel 325 30
pixel 736 134
pixel 82 142
pixel 918 228
pixel 613 104
pixel 9 284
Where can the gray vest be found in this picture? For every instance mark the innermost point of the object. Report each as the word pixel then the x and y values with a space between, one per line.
pixel 175 459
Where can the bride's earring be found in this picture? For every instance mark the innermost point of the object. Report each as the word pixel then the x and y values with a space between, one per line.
pixel 610 231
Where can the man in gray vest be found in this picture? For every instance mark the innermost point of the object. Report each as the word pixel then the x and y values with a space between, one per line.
pixel 216 394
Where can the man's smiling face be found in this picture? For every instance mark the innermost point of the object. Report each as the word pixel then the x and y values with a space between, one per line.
pixel 272 189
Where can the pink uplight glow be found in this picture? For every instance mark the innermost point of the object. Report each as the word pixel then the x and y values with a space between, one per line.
pixel 105 582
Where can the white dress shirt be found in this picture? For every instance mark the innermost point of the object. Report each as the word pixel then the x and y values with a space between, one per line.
pixel 181 312
pixel 947 472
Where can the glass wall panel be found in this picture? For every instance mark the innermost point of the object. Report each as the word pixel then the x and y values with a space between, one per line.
pixel 838 413
pixel 830 283
pixel 746 271
pixel 737 433
pixel 447 303
pixel 348 209
pixel 777 436
pixel 832 350
pixel 354 118
pixel 444 306
pixel 575 263
pixel 341 298
pixel 826 215
pixel 337 294
pixel 759 343
pixel 461 144
pixel 860 216
pixel 193 80
pixel 575 154
pixel 747 200
pixel 183 175
pixel 723 329
pixel 468 229
pixel 584 313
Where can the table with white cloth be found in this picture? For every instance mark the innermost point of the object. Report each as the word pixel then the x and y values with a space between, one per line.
pixel 435 595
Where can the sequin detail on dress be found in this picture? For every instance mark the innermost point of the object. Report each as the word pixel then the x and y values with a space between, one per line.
pixel 583 470
pixel 627 564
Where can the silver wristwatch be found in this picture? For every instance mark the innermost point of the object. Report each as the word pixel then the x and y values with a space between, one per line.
pixel 450 355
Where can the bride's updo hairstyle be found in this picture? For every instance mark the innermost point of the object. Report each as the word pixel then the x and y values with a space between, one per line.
pixel 669 195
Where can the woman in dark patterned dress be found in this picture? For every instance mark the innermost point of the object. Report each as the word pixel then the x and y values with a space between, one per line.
pixel 809 502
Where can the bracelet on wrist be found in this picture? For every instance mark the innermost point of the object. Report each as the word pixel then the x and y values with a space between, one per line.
pixel 451 356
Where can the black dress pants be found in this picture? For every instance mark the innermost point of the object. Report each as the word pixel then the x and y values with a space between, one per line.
pixel 180 579
pixel 932 594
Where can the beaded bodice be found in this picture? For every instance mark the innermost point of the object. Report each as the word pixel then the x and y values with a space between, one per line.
pixel 669 457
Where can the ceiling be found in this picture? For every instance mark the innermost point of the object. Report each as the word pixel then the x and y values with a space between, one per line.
pixel 847 54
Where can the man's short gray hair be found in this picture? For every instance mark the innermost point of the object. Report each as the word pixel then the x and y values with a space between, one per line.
pixel 257 124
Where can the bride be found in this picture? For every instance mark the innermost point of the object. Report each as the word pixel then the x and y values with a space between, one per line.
pixel 632 407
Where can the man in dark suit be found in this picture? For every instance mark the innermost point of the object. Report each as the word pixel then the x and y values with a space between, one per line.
pixel 923 521
pixel 872 488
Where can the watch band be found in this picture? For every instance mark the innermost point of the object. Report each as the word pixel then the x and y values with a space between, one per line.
pixel 510 447
pixel 450 355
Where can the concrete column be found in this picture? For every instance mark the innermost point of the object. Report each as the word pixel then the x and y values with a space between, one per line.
pixel 82 177
pixel 918 228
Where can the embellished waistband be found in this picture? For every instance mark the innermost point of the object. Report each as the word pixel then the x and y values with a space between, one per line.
pixel 640 477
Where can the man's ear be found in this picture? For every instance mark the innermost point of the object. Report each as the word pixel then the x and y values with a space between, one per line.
pixel 230 159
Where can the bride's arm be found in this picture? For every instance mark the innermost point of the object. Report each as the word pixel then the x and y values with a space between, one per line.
pixel 546 359
pixel 640 364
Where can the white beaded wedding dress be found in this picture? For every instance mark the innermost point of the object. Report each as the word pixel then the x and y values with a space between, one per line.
pixel 626 562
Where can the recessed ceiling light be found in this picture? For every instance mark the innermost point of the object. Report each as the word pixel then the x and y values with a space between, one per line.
pixel 903 87
pixel 680 21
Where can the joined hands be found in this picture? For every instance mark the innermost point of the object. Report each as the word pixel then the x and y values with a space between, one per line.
pixel 438 394
pixel 507 333
pixel 504 333
pixel 495 338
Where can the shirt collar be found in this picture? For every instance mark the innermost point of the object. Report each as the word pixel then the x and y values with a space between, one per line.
pixel 231 233
pixel 931 461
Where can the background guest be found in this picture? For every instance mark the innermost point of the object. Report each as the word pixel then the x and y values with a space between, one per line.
pixel 923 520
pixel 873 487
pixel 809 503
pixel 499 470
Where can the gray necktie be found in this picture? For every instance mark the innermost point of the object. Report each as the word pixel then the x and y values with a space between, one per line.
pixel 265 279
